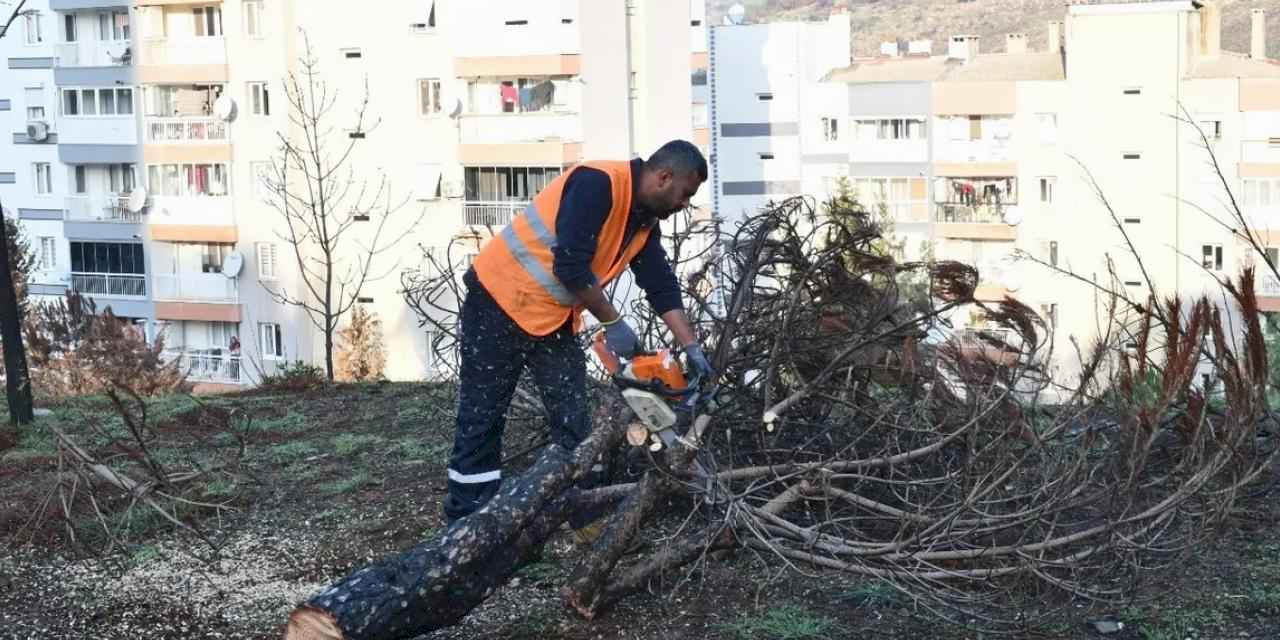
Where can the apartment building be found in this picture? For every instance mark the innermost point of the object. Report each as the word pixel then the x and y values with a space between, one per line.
pixel 143 128
pixel 977 156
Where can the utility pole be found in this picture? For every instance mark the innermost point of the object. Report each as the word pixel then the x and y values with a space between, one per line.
pixel 17 380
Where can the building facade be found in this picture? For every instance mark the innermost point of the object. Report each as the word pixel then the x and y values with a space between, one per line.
pixel 143 129
pixel 985 157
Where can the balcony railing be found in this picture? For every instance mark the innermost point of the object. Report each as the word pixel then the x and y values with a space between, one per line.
pixel 181 129
pixel 94 53
pixel 101 208
pixel 192 50
pixel 1267 285
pixel 196 287
pixel 503 128
pixel 491 214
pixel 980 213
pixel 212 365
pixel 1260 150
pixel 124 285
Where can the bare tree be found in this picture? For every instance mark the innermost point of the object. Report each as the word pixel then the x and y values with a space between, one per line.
pixel 336 220
pixel 17 379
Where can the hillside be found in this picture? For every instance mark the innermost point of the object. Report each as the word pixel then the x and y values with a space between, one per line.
pixel 887 20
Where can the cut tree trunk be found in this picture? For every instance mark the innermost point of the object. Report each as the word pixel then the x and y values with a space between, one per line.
pixel 17 379
pixel 435 584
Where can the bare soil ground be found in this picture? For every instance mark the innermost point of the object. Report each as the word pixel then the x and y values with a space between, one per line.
pixel 333 478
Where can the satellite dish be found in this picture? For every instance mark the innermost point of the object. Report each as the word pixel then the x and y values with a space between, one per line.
pixel 737 13
pixel 224 107
pixel 232 264
pixel 1013 217
pixel 450 101
pixel 137 200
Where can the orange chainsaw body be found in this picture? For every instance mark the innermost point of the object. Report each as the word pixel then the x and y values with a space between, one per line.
pixel 644 368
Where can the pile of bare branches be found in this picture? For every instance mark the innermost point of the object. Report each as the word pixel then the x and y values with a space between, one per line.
pixel 851 433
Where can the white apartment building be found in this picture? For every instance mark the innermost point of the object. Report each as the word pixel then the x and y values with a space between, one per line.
pixel 977 156
pixel 141 130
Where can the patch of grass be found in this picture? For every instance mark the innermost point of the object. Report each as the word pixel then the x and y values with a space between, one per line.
pixel 787 622
pixel 221 488
pixel 292 451
pixel 144 554
pixel 419 449
pixel 540 571
pixel 537 624
pixel 290 422
pixel 348 484
pixel 349 443
pixel 34 441
pixel 871 594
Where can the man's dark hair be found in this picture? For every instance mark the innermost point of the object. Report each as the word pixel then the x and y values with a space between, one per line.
pixel 681 157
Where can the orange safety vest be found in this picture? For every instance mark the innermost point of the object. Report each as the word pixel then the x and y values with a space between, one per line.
pixel 515 267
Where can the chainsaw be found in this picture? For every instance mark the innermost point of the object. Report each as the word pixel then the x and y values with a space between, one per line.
pixel 655 388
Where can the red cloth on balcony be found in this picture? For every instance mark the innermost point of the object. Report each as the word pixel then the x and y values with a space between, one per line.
pixel 509 94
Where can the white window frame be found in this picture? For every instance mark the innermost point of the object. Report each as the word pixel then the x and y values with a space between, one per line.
pixel 427 26
pixel 48 253
pixel 430 172
pixel 1211 257
pixel 33 26
pixel 207 19
pixel 268 261
pixel 880 193
pixel 72 34
pixel 259 98
pixel 884 129
pixel 429 101
pixel 1048 125
pixel 1260 193
pixel 1047 185
pixel 270 335
pixel 831 129
pixel 42 106
pixel 258 171
pixel 180 168
pixel 42 173
pixel 119 96
pixel 253 14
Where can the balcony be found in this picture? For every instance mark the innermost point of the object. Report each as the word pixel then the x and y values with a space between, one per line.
pixel 192 210
pixel 95 53
pixel 994 346
pixel 491 214
pixel 986 150
pixel 195 287
pixel 186 130
pixel 1260 151
pixel 503 128
pixel 975 222
pixel 207 365
pixel 101 208
pixel 119 285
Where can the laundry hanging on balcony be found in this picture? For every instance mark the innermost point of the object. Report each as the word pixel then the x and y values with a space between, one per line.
pixel 541 95
pixel 509 93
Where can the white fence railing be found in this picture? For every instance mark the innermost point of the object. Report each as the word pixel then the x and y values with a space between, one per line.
pixel 212 365
pixel 110 284
pixel 184 129
pixel 191 50
pixel 982 213
pixel 103 208
pixel 491 214
pixel 503 128
pixel 94 53
pixel 195 287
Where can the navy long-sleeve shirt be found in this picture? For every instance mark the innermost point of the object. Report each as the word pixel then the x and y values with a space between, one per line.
pixel 584 204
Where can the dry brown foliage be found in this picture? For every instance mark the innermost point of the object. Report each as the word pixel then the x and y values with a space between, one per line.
pixel 362 354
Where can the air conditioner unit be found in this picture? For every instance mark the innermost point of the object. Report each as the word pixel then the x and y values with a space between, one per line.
pixel 451 189
pixel 38 131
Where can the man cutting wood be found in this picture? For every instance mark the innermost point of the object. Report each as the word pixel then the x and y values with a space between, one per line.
pixel 526 292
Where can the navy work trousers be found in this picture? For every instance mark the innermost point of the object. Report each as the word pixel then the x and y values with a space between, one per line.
pixel 495 352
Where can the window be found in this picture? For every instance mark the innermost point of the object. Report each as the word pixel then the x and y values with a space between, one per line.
pixel 831 129
pixel 212 256
pixel 177 180
pixel 1263 192
pixel 765 155
pixel 516 23
pixel 1133 220
pixel 1211 257
pixel 1273 256
pixel 48 254
pixel 1048 124
pixel 351 54
pixel 97 102
pixel 1133 91
pixel 121 178
pixel 1053 253
pixel 429 182
pixel 259 99
pixel 260 171
pixel 364 300
pixel 82 182
pixel 113 25
pixel 506 184
pixel 1133 156
pixel 891 129
pixel 107 257
pixel 355 135
pixel 1050 314
pixel 208 21
pixel 253 18
pixel 695 23
pixel 1212 129
pixel 428 96
pixel 764 97
pixel 44 178
pixel 902 199
pixel 272 347
pixel 976 191
pixel 268 267
pixel 69 27
pixel 33 21
pixel 1046 189
pixel 35 103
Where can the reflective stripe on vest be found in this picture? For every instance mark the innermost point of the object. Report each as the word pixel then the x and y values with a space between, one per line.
pixel 530 264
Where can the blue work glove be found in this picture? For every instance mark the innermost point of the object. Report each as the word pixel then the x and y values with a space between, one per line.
pixel 621 339
pixel 698 363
